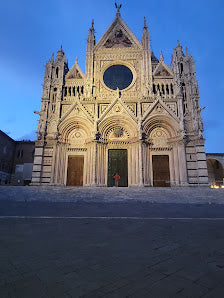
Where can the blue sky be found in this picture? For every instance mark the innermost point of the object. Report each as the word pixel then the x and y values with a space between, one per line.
pixel 32 30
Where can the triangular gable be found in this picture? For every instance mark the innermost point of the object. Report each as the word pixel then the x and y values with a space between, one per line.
pixel 162 70
pixel 158 106
pixel 118 35
pixel 117 107
pixel 77 109
pixel 75 72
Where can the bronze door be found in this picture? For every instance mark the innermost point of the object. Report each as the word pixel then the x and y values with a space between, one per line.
pixel 75 171
pixel 161 170
pixel 117 163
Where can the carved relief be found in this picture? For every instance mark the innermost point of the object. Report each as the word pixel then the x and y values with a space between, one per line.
pixel 161 71
pixel 145 107
pixel 77 138
pixel 65 108
pixel 132 107
pixel 118 39
pixel 117 108
pixel 118 133
pixel 159 109
pixel 103 108
pixel 75 75
pixel 47 161
pixel 90 108
pixel 48 152
pixel 158 138
pixel 173 107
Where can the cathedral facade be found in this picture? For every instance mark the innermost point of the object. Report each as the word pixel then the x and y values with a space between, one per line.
pixel 128 114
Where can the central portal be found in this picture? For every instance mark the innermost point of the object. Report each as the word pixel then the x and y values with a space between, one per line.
pixel 117 163
pixel 161 171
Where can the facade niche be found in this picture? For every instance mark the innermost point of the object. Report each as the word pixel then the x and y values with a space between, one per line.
pixel 154 88
pixel 167 89
pixel 181 68
pixel 57 72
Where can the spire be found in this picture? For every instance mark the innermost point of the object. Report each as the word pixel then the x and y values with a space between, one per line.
pixel 187 51
pixel 161 56
pixel 61 50
pixel 118 9
pixel 52 57
pixel 60 53
pixel 145 25
pixel 145 36
pixel 91 35
pixel 76 60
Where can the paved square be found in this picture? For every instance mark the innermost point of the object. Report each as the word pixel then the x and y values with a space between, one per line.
pixel 123 248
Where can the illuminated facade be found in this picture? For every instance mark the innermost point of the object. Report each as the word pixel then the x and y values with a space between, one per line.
pixel 129 114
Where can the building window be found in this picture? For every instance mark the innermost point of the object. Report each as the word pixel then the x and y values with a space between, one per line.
pixel 57 71
pixel 118 76
pixel 154 88
pixel 181 68
pixel 167 89
pixel 19 153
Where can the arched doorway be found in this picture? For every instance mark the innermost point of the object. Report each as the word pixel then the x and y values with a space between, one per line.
pixel 215 171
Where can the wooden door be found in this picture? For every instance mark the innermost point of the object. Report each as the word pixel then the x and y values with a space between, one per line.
pixel 117 163
pixel 75 171
pixel 161 170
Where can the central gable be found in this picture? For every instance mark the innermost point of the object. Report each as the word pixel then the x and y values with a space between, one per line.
pixel 118 35
pixel 118 39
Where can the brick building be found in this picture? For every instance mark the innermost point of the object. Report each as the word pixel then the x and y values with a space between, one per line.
pixel 16 160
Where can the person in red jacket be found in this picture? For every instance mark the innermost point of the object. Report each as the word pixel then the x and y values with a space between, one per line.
pixel 116 178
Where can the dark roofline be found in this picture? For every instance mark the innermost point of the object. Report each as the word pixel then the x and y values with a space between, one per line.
pixel 2 132
pixel 216 154
pixel 25 142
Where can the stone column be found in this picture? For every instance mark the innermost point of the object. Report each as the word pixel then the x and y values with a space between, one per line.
pixel 176 165
pixel 172 169
pixel 182 163
pixel 140 181
pixel 94 163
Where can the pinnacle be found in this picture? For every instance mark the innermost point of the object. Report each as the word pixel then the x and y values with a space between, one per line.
pixel 145 25
pixel 161 56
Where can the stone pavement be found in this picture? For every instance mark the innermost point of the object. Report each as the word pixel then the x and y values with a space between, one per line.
pixel 120 247
pixel 192 195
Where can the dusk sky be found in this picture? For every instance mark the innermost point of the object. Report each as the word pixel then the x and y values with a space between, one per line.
pixel 32 30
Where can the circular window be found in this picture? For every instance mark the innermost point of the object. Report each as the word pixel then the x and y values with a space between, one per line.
pixel 118 76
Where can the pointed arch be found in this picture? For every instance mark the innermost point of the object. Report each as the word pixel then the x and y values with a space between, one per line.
pixel 112 122
pixel 66 127
pixel 162 121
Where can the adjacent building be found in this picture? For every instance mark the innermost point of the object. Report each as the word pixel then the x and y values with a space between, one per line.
pixel 16 160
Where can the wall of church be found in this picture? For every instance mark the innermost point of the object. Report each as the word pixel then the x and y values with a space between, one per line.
pixel 151 114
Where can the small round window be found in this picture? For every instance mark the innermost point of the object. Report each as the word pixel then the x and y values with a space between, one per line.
pixel 118 76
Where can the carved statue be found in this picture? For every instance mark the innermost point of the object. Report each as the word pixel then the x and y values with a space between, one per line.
pixel 118 7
